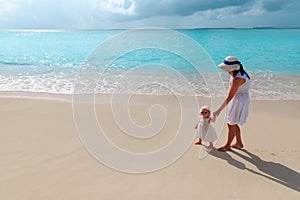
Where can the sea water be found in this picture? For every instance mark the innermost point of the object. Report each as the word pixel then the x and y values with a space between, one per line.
pixel 50 61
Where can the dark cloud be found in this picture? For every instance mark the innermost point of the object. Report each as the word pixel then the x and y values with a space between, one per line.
pixel 276 5
pixel 190 13
pixel 150 8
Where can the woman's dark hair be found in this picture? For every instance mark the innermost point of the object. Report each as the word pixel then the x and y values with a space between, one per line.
pixel 235 72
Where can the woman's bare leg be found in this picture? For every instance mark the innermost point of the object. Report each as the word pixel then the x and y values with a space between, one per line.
pixel 239 143
pixel 231 135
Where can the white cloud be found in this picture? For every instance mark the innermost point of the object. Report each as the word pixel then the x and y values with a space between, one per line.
pixel 255 9
pixel 8 7
pixel 11 7
pixel 124 7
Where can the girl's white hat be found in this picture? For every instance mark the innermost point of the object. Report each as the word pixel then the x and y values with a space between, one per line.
pixel 204 107
pixel 230 63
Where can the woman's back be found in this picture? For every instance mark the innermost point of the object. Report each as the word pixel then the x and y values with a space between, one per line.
pixel 245 86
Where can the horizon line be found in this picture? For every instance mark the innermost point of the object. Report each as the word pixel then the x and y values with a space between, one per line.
pixel 113 29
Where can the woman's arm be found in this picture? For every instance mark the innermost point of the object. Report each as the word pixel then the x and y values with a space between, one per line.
pixel 235 84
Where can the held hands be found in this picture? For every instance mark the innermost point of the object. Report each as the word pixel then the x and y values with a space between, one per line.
pixel 216 113
pixel 214 116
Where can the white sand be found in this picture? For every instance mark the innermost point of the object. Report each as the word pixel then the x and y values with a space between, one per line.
pixel 43 158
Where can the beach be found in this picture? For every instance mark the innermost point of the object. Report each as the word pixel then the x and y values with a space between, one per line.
pixel 102 99
pixel 135 138
pixel 42 156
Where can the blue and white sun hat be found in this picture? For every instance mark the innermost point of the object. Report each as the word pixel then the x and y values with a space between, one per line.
pixel 230 63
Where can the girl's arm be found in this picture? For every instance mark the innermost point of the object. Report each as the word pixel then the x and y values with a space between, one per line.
pixel 235 84
pixel 196 126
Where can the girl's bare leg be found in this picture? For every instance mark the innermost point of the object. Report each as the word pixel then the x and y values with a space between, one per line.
pixel 231 135
pixel 239 143
pixel 199 142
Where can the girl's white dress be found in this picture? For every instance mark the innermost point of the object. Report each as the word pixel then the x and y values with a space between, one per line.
pixel 206 131
pixel 238 107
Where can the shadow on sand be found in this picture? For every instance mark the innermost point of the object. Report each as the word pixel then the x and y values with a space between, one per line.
pixel 270 170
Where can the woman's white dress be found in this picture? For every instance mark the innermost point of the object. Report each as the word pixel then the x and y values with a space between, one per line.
pixel 206 131
pixel 238 107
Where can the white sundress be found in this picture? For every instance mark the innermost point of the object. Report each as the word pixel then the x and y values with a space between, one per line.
pixel 206 131
pixel 238 107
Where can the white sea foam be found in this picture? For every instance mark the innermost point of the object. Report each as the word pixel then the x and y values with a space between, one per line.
pixel 263 86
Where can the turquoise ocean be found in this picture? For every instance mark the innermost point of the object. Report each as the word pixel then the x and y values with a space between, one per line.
pixel 49 61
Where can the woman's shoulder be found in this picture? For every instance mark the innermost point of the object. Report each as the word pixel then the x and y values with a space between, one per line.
pixel 238 80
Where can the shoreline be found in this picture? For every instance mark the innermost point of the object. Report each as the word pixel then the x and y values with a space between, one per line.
pixel 68 97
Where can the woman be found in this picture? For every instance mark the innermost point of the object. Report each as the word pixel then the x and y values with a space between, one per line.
pixel 238 101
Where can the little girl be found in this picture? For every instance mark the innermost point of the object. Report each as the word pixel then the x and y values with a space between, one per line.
pixel 205 131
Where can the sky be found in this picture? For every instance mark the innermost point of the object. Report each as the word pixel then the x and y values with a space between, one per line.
pixel 126 14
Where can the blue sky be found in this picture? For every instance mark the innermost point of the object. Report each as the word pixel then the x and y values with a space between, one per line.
pixel 112 14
